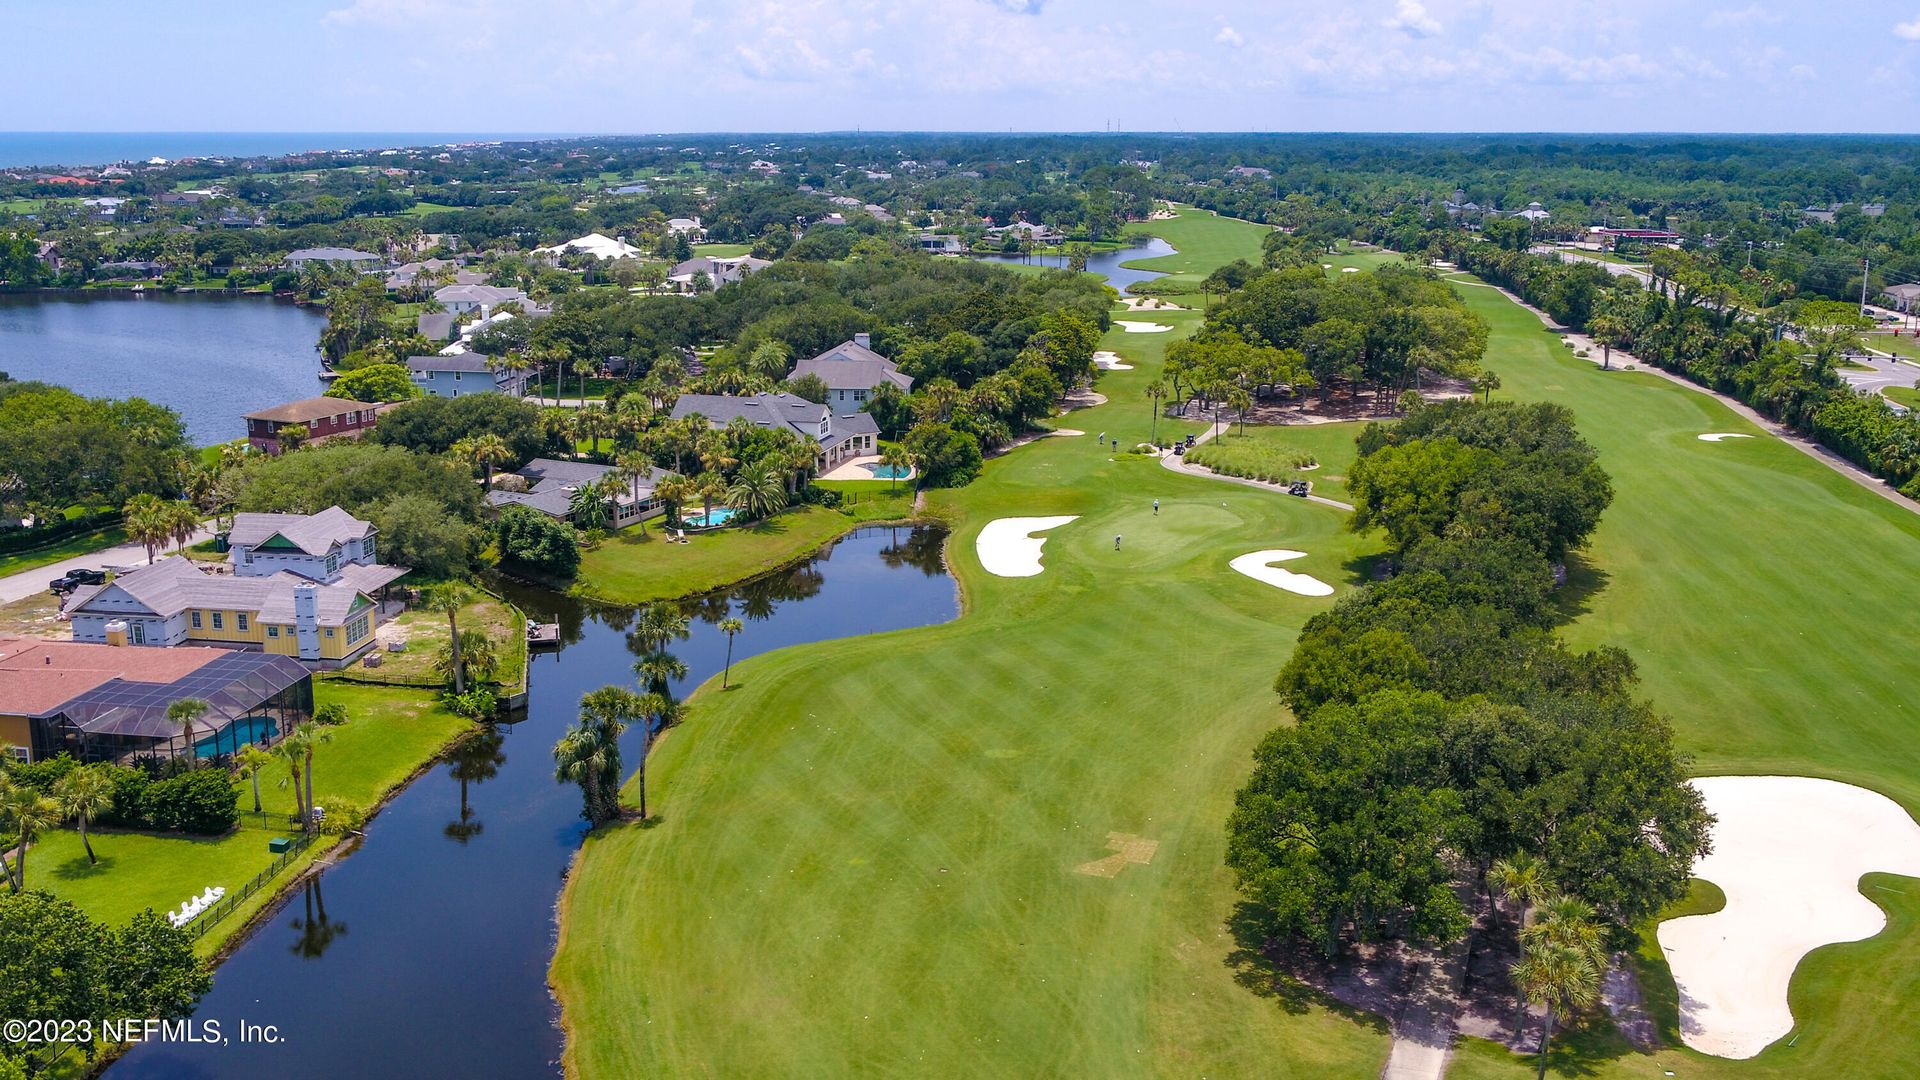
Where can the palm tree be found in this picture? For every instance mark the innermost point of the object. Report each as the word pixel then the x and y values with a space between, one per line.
pixel 656 625
pixel 594 423
pixel 146 522
pixel 290 753
pixel 516 365
pixel 311 735
pixel 587 507
pixel 1559 977
pixel 185 713
pixel 583 367
pixel 251 760
pixel 475 656
pixel 770 358
pixel 711 488
pixel 1522 879
pixel 895 459
pixel 486 451
pixel 1487 382
pixel 758 491
pixel 24 813
pixel 181 521
pixel 450 598
pixel 657 671
pixel 1157 392
pixel 589 753
pixel 662 712
pixel 1240 401
pixel 85 794
pixel 729 626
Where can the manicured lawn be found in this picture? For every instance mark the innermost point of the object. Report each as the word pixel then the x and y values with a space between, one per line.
pixel 1904 395
pixel 392 732
pixel 1758 591
pixel 426 634
pixel 865 862
pixel 722 251
pixel 1204 242
pixel 65 549
pixel 632 567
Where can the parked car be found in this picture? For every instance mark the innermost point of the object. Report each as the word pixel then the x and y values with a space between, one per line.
pixel 73 579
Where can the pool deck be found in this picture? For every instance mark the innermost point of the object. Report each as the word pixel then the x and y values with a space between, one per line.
pixel 856 469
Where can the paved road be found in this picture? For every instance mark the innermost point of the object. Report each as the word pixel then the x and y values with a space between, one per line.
pixel 27 582
pixel 1886 371
pixel 1614 268
pixel 1180 465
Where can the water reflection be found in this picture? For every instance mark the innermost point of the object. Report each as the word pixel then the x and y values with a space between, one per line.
pixel 445 971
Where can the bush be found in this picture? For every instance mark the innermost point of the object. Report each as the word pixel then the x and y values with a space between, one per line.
pixel 42 775
pixel 1271 464
pixel 815 495
pixel 129 797
pixel 204 802
pixel 340 817
pixel 529 539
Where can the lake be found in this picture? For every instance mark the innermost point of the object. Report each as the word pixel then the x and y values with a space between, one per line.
pixel 1105 263
pixel 425 951
pixel 211 358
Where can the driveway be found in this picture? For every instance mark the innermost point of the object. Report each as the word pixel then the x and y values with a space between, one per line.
pixel 27 582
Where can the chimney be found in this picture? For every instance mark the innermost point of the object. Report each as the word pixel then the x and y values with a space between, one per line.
pixel 864 340
pixel 306 619
pixel 116 633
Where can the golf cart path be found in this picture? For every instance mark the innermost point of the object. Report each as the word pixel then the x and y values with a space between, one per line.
pixel 1179 464
pixel 1423 1029
pixel 133 553
pixel 1806 446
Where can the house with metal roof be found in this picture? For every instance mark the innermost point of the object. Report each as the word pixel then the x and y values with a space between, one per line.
pixel 852 372
pixel 463 373
pixel 839 438
pixel 101 702
pixel 551 485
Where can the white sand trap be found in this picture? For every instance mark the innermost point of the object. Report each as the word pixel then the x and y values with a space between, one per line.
pixel 1008 548
pixel 1788 851
pixel 1721 436
pixel 1256 566
pixel 1349 269
pixel 1147 303
pixel 1110 361
pixel 1132 326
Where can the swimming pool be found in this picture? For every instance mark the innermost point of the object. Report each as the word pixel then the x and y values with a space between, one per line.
pixel 247 729
pixel 711 519
pixel 888 472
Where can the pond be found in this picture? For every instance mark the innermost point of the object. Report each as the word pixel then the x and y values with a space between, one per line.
pixel 211 358
pixel 425 951
pixel 1105 263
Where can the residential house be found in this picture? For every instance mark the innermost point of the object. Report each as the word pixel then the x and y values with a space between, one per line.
pixel 550 485
pixel 719 271
pixel 463 373
pixel 1021 230
pixel 298 585
pixel 404 276
pixel 1533 212
pixel 839 438
pixel 852 371
pixel 598 245
pixel 101 702
pixel 460 299
pixel 1903 297
pixel 1251 171
pixel 687 227
pixel 324 418
pixel 941 244
pixel 358 260
pixel 437 326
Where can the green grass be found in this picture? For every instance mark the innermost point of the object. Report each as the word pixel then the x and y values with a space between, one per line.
pixel 97 540
pixel 423 208
pixel 1904 395
pixel 426 634
pixel 1203 241
pixel 391 734
pixel 722 251
pixel 865 858
pixel 632 567
pixel 1268 459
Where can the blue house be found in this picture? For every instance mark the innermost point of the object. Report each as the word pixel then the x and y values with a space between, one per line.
pixel 463 373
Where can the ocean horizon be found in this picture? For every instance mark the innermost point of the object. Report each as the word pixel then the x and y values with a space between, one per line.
pixel 21 149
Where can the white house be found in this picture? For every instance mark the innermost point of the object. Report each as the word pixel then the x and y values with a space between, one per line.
pixel 852 371
pixel 460 299
pixel 598 245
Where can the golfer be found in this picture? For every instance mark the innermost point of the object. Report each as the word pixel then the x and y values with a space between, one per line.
pixel 1156 508
pixel 1116 541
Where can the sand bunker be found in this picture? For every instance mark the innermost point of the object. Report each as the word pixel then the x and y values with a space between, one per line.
pixel 1788 851
pixel 1008 548
pixel 1721 436
pixel 1255 565
pixel 1147 303
pixel 1126 848
pixel 1110 361
pixel 1132 327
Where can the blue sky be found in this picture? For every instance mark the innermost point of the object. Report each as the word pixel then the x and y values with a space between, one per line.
pixel 1076 65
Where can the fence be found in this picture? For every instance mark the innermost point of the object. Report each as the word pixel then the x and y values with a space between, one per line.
pixel 231 902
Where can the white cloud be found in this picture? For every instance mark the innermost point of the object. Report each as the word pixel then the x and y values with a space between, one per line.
pixel 1803 73
pixel 1908 30
pixel 1411 17
pixel 1751 15
pixel 1229 36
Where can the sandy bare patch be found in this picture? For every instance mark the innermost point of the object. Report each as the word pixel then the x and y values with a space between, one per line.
pixel 1256 565
pixel 1126 848
pixel 1788 851
pixel 1721 436
pixel 1148 303
pixel 1132 326
pixel 1107 360
pixel 1008 548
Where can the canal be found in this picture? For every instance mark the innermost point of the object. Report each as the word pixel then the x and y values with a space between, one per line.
pixel 425 952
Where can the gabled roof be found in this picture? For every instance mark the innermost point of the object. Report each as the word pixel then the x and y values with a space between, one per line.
pixel 853 366
pixel 551 483
pixel 331 254
pixel 468 361
pixel 478 294
pixel 315 534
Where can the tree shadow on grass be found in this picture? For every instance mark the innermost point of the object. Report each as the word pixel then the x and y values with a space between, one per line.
pixel 79 869
pixel 1584 582
pixel 1363 569
pixel 1294 979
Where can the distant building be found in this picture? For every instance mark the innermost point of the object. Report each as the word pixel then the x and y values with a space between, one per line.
pixel 358 260
pixel 837 437
pixel 1251 171
pixel 324 418
pixel 941 244
pixel 551 485
pixel 460 299
pixel 463 373
pixel 1903 297
pixel 852 371
pixel 1039 234
pixel 598 245
pixel 719 271
pixel 687 227
pixel 1533 212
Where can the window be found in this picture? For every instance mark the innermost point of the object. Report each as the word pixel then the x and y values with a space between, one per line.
pixel 196 620
pixel 329 631
pixel 859 395
pixel 456 376
pixel 357 629
pixel 366 548
pixel 20 753
pixel 218 621
pixel 273 631
pixel 139 633
pixel 240 620
pixel 333 563
pixel 246 557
